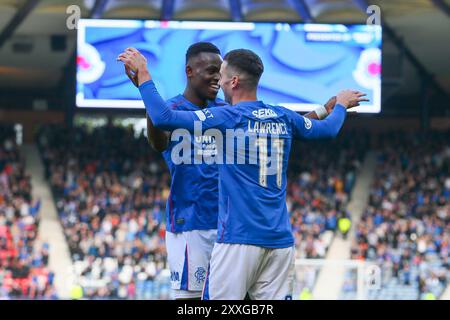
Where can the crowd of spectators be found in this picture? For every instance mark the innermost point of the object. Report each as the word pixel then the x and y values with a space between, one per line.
pixel 110 190
pixel 405 228
pixel 321 176
pixel 24 272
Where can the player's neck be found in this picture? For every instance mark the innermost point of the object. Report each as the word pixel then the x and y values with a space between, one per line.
pixel 194 99
pixel 243 96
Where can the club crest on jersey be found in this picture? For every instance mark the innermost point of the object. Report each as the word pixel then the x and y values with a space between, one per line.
pixel 200 274
pixel 308 123
pixel 264 113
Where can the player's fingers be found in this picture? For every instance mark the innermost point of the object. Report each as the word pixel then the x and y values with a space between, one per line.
pixel 128 71
pixel 363 100
pixel 132 51
pixel 125 61
pixel 131 76
pixel 122 56
pixel 127 54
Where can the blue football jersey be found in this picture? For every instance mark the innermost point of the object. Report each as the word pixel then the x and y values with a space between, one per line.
pixel 194 191
pixel 252 174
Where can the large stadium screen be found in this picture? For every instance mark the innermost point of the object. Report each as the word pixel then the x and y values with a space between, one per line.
pixel 305 64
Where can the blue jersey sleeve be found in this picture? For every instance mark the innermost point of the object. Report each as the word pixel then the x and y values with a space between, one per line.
pixel 314 129
pixel 165 118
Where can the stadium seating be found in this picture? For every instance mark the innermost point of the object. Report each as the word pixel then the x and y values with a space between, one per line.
pixel 111 202
pixel 405 227
pixel 24 272
pixel 110 194
pixel 321 176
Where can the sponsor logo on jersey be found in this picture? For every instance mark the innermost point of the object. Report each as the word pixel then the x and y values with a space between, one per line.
pixel 264 113
pixel 203 114
pixel 208 145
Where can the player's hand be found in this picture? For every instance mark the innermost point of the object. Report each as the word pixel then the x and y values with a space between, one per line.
pixel 350 98
pixel 135 65
pixel 132 58
pixel 132 76
pixel 330 104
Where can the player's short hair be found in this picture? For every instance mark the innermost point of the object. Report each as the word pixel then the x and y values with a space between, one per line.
pixel 247 62
pixel 200 47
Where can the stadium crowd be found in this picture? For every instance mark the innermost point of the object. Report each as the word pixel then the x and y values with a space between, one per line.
pixel 405 227
pixel 111 201
pixel 321 177
pixel 24 272
pixel 110 190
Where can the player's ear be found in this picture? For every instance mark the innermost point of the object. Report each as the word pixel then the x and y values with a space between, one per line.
pixel 234 81
pixel 188 71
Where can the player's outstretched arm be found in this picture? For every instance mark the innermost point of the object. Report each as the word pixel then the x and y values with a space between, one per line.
pixel 160 114
pixel 165 118
pixel 322 111
pixel 328 128
pixel 157 138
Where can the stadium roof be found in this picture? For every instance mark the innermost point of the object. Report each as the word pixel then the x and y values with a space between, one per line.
pixel 417 37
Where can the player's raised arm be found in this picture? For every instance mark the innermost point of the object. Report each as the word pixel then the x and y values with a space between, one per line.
pixel 161 115
pixel 157 138
pixel 165 118
pixel 329 127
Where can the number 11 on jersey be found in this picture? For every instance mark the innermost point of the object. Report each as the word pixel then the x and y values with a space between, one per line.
pixel 278 144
